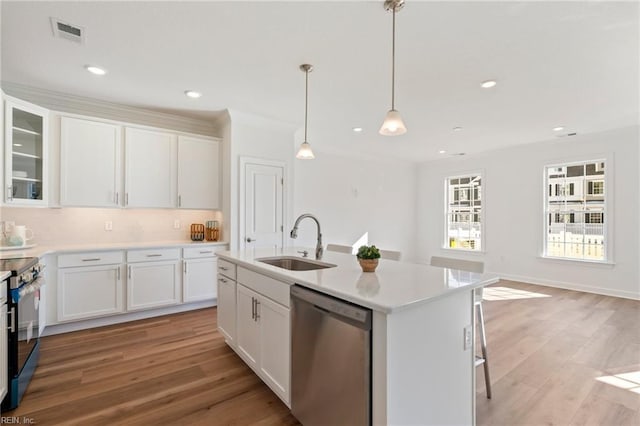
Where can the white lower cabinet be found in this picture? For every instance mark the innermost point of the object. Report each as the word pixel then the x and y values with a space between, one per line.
pixel 153 278
pixel 89 291
pixel 275 348
pixel 199 281
pixel 227 309
pixel 248 331
pixel 92 284
pixel 153 284
pixel 199 270
pixel 263 336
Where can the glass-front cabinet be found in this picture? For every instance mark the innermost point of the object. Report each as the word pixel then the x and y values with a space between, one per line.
pixel 26 127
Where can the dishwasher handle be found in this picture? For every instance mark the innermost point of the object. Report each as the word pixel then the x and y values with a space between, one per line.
pixel 339 309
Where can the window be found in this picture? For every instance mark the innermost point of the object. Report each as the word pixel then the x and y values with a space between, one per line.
pixel 464 212
pixel 575 224
pixel 595 187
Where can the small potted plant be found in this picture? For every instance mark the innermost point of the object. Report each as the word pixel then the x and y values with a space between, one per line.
pixel 368 258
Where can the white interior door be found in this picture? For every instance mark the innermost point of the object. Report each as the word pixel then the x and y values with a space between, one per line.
pixel 263 205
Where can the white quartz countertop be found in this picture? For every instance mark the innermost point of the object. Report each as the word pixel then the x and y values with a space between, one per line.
pixel 394 285
pixel 39 251
pixel 4 275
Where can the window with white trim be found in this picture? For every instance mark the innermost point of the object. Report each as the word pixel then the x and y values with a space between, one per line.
pixel 575 211
pixel 464 212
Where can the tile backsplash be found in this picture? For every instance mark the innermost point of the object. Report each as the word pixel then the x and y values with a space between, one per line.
pixel 86 225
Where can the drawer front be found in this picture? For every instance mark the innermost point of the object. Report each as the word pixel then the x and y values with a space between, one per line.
pixel 90 258
pixel 266 286
pixel 227 268
pixel 148 255
pixel 197 252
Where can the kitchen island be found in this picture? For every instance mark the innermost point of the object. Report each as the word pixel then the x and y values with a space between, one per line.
pixel 423 365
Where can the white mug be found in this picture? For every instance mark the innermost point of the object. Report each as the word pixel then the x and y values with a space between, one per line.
pixel 21 231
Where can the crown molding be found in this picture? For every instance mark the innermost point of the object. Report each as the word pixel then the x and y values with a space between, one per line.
pixel 74 104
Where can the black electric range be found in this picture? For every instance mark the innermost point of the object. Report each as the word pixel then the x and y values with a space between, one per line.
pixel 23 346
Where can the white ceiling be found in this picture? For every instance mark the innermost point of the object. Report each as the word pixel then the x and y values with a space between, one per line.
pixel 573 64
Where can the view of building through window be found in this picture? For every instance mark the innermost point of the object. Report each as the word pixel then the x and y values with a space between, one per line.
pixel 464 207
pixel 575 211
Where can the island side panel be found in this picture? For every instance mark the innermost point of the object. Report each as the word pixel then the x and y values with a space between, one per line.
pixel 429 373
pixel 379 369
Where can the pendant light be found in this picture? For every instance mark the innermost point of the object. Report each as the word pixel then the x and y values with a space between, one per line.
pixel 393 124
pixel 305 153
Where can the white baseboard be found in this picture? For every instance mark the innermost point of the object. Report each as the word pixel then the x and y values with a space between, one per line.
pixel 132 316
pixel 572 286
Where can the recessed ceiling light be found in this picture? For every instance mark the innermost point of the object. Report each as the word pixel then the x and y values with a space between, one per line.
pixel 488 84
pixel 192 94
pixel 357 129
pixel 457 129
pixel 442 151
pixel 95 70
pixel 558 129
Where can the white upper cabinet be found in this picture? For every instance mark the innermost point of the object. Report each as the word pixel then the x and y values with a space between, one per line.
pixel 90 163
pixel 150 168
pixel 198 173
pixel 103 165
pixel 26 148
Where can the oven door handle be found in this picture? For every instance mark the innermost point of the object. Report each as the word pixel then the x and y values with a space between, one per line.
pixel 12 323
pixel 19 293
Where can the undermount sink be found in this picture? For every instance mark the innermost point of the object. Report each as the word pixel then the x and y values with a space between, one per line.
pixel 292 263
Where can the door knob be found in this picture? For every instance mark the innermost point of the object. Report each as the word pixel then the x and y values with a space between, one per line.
pixel 249 240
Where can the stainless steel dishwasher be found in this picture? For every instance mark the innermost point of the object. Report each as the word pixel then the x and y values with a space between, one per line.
pixel 330 360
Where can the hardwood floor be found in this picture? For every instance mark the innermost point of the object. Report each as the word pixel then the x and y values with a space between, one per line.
pixel 173 370
pixel 559 357
pixel 556 356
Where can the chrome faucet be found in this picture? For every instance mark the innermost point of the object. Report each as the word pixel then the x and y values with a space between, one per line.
pixel 294 233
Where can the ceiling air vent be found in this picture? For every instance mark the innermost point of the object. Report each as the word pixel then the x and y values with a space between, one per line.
pixel 564 135
pixel 67 31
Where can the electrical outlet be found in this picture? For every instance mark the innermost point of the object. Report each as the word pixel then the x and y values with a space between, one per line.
pixel 468 337
pixel 108 226
pixel 176 224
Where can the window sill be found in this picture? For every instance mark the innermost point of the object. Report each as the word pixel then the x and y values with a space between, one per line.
pixel 583 262
pixel 463 250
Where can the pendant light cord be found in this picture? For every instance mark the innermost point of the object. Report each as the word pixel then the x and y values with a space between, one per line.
pixel 393 60
pixel 306 102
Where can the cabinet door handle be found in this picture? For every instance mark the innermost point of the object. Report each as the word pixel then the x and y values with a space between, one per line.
pixel 224 268
pixel 206 251
pixel 251 240
pixel 257 310
pixel 179 200
pixel 129 271
pixel 253 308
pixel 116 198
pixel 91 259
pixel 222 280
pixel 126 198
pixel 185 268
pixel 118 273
pixel 154 255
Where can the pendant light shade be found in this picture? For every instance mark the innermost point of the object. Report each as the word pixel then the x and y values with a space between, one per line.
pixel 393 124
pixel 305 152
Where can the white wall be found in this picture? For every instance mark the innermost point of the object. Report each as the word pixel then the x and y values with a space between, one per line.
pixel 513 203
pixel 353 196
pixel 256 137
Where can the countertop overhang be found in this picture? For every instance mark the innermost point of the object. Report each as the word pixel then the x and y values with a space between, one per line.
pixel 394 286
pixel 43 250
